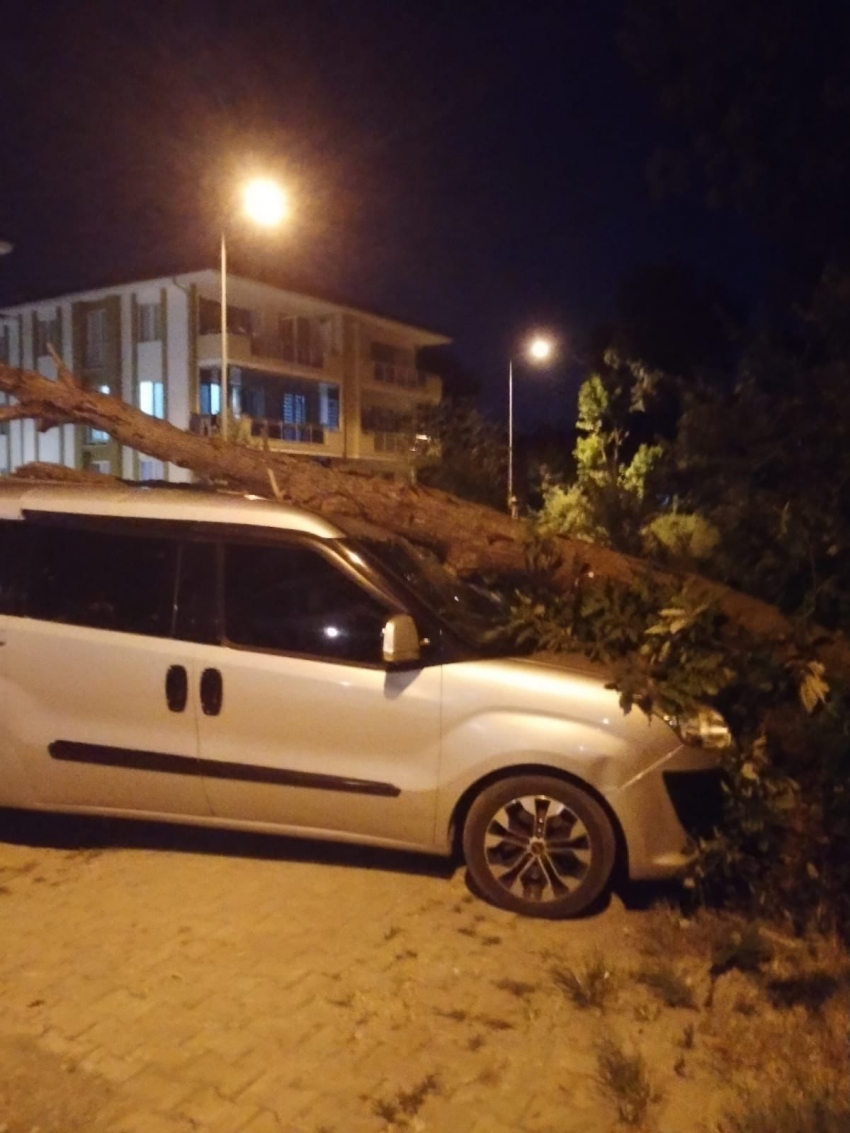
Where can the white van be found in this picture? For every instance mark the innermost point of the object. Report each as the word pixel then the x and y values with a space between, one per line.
pixel 209 658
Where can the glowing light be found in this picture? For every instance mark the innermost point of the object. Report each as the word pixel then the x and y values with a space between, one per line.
pixel 331 631
pixel 540 349
pixel 264 202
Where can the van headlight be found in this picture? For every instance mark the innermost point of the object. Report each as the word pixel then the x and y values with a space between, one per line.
pixel 704 727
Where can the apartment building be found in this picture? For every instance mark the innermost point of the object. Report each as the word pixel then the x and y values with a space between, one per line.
pixel 305 376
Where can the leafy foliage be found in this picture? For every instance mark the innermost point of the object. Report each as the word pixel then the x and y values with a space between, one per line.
pixel 784 843
pixel 610 497
pixel 466 454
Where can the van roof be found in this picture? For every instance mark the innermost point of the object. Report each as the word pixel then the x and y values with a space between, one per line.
pixel 178 502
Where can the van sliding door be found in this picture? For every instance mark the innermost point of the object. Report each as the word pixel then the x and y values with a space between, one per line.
pixel 99 706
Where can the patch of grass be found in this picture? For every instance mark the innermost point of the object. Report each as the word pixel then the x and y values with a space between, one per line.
pixel 407 954
pixel 344 1000
pixel 406 1103
pixel 475 1042
pixel 467 930
pixel 665 932
pixel 489 1076
pixel 688 1037
pixel 744 949
pixel 823 1111
pixel 625 1079
pixel 494 1024
pixel 666 984
pixel 387 1111
pixel 811 990
pixel 590 985
pixel 515 987
pixel 456 1015
pixel 491 940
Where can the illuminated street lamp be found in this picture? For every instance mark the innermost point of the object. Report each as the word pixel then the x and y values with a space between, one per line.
pixel 264 203
pixel 6 247
pixel 538 350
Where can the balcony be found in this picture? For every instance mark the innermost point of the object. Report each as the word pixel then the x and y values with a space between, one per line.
pixel 269 351
pixel 385 444
pixel 273 434
pixel 427 388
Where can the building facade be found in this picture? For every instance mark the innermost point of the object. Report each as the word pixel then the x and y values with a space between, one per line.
pixel 305 376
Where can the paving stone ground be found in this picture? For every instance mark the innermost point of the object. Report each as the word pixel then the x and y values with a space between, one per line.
pixel 157 980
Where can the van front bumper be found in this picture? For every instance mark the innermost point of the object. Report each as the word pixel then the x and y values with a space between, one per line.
pixel 665 809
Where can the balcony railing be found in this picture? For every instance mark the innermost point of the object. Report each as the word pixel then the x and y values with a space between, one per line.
pixel 285 350
pixel 393 442
pixel 260 429
pixel 281 431
pixel 405 376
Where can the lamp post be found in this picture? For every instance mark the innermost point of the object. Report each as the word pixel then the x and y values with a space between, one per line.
pixel 538 350
pixel 265 204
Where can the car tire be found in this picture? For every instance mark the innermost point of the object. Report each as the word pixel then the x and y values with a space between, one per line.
pixel 539 845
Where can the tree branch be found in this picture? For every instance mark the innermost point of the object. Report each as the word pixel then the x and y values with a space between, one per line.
pixel 471 538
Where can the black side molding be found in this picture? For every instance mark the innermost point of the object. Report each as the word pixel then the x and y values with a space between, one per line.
pixel 132 759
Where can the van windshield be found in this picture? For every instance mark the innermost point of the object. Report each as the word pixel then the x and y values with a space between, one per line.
pixel 478 616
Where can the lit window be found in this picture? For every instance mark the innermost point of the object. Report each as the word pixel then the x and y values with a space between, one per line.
pixel 150 469
pixel 152 398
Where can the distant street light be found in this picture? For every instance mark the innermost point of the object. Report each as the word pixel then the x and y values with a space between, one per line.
pixel 264 203
pixel 538 350
pixel 6 247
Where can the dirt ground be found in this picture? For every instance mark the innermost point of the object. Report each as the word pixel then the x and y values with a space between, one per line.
pixel 154 980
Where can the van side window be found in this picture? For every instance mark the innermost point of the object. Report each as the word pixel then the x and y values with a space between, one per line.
pixel 197 594
pixel 103 580
pixel 292 599
pixel 12 564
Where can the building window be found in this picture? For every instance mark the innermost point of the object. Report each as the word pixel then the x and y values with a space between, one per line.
pixel 5 344
pixel 150 469
pixel 95 348
pixel 240 320
pixel 329 406
pixel 152 398
pixel 209 392
pixel 308 337
pixel 294 409
pixel 46 335
pixel 286 336
pixel 150 322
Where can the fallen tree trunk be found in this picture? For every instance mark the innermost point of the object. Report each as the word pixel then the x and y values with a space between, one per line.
pixel 469 537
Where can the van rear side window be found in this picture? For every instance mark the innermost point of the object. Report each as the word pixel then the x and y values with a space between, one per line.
pixel 107 581
pixel 12 565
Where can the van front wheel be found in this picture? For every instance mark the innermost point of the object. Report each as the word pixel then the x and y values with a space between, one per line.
pixel 537 845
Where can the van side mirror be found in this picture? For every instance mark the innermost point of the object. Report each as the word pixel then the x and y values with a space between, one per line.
pixel 401 640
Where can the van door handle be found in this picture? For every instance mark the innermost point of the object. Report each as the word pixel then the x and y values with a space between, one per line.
pixel 176 688
pixel 212 692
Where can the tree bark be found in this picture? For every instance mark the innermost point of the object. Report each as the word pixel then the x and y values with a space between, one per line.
pixel 469 537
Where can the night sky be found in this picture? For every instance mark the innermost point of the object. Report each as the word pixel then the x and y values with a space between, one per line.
pixel 476 168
